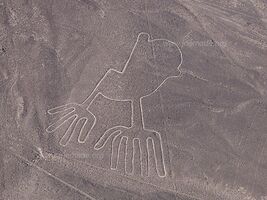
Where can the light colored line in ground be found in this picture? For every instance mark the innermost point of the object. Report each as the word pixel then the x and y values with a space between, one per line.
pixel 135 180
pixel 51 175
pixel 99 168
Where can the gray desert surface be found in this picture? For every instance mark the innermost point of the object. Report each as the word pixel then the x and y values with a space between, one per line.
pixel 133 99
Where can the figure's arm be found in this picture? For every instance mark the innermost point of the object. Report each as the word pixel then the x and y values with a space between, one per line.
pixel 100 87
pixel 86 103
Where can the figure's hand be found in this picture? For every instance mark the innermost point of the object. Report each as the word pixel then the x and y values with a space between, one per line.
pixel 143 149
pixel 82 121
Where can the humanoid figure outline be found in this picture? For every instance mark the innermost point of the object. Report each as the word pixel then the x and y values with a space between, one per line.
pixel 119 134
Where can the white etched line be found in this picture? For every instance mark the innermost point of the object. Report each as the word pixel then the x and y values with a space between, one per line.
pixel 106 136
pixel 98 91
pixel 178 68
pixel 163 157
pixel 114 151
pixel 91 126
pixel 124 138
pixel 136 153
pixel 129 156
pixel 117 148
pixel 148 155
pixel 144 158
pixel 52 176
pixel 67 135
pixel 59 109
pixel 82 128
pixel 156 157
pixel 121 152
pixel 76 130
pixel 60 122
pixel 89 131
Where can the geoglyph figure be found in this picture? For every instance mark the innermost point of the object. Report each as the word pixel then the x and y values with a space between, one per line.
pixel 151 63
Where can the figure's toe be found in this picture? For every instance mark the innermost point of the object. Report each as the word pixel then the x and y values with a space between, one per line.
pixel 158 157
pixel 129 156
pixel 144 158
pixel 116 143
pixel 122 154
pixel 106 136
pixel 136 156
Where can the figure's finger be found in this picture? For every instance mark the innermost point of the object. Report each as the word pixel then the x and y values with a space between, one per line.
pixel 105 137
pixel 144 158
pixel 66 137
pixel 136 156
pixel 78 128
pixel 129 156
pixel 151 157
pixel 59 122
pixel 116 143
pixel 86 129
pixel 159 156
pixel 60 109
pixel 122 154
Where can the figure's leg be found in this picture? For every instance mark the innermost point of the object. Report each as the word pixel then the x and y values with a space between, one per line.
pixel 137 115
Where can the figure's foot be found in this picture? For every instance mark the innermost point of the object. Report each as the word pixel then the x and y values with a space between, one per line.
pixel 82 121
pixel 139 150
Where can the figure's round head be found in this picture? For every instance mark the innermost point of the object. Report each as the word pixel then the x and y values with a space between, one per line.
pixel 165 56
